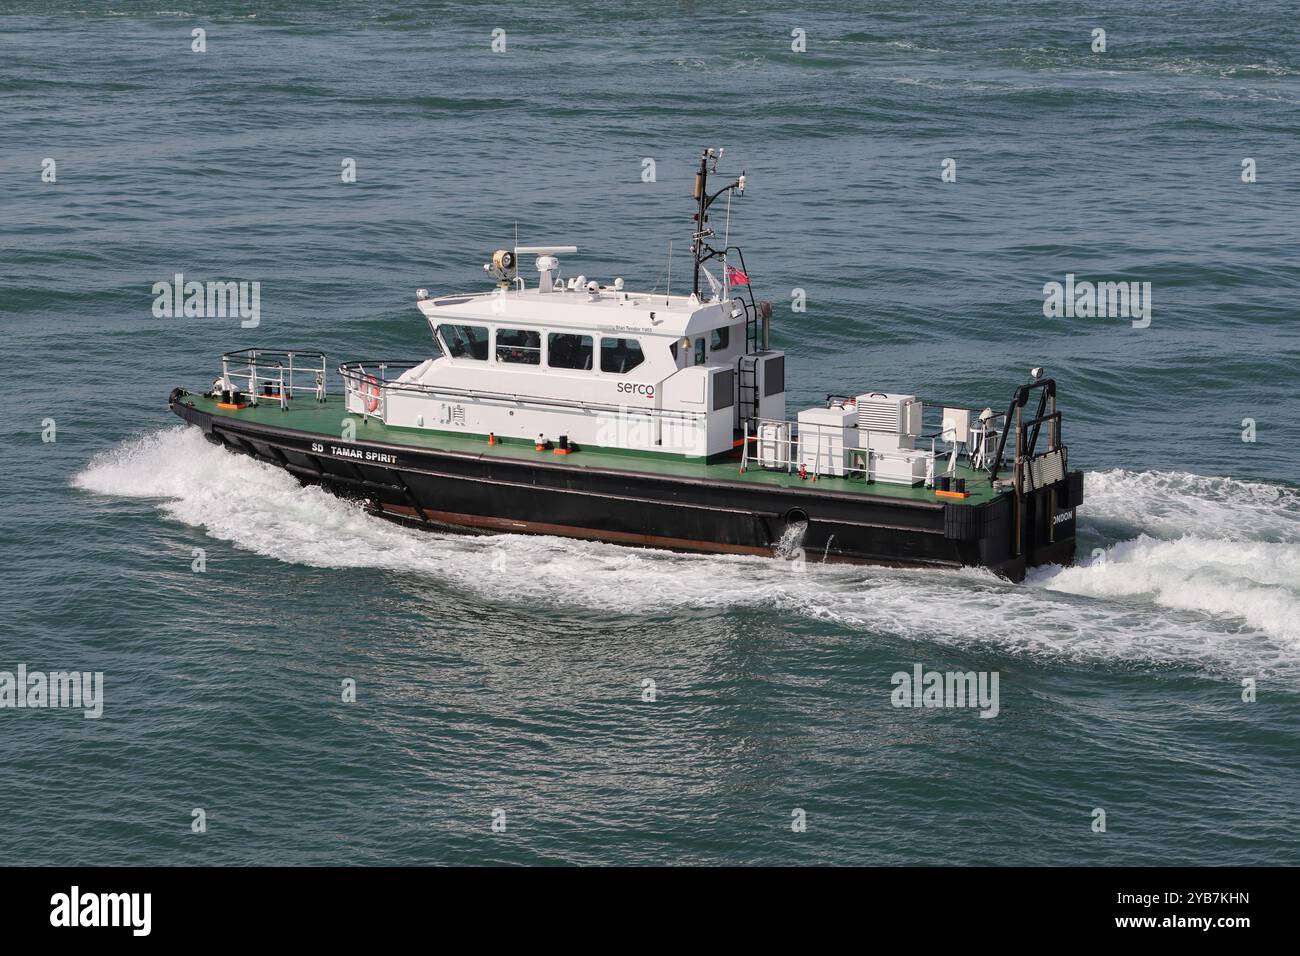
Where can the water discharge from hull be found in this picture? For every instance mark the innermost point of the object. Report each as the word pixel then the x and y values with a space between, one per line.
pixel 790 545
pixel 1206 572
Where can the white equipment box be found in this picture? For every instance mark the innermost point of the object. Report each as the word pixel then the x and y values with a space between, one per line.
pixel 774 444
pixel 888 425
pixel 825 434
pixel 893 421
pixel 956 425
pixel 898 467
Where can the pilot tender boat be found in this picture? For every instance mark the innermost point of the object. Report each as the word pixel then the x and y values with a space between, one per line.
pixel 588 410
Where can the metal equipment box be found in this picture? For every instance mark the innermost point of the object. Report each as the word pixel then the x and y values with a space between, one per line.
pixel 824 436
pixel 884 415
pixel 774 445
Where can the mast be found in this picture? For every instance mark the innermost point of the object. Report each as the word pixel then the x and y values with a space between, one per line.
pixel 701 217
pixel 701 252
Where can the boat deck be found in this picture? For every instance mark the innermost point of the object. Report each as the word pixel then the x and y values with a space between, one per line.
pixel 324 418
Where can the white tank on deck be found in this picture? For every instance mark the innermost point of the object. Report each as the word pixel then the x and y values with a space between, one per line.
pixel 825 434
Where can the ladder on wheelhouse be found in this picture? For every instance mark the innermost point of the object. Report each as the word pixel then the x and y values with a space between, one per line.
pixel 747 387
pixel 747 367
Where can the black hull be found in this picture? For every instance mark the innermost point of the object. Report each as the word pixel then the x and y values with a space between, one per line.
pixel 444 489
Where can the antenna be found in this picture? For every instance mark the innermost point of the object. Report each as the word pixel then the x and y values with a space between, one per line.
pixel 726 244
pixel 669 294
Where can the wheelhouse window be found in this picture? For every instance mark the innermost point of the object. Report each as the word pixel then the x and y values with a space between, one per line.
pixel 700 355
pixel 519 346
pixel 464 341
pixel 568 350
pixel 620 356
pixel 720 339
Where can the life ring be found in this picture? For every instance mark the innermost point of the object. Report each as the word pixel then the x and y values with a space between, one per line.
pixel 370 391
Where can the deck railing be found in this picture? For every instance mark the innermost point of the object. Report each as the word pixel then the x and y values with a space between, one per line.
pixel 788 446
pixel 275 374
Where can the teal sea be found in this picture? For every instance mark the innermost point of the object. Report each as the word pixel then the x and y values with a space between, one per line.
pixel 506 673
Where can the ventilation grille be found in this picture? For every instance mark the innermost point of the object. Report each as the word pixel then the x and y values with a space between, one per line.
pixel 1045 469
pixel 894 414
pixel 880 417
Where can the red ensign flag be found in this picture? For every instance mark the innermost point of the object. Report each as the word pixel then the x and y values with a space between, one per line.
pixel 736 277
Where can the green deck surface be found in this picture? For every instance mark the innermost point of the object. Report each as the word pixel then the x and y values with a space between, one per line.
pixel 325 419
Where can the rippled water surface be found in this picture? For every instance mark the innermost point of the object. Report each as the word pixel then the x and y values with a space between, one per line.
pixel 506 672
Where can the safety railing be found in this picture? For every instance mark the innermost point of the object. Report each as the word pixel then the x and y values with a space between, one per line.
pixel 819 450
pixel 366 384
pixel 274 375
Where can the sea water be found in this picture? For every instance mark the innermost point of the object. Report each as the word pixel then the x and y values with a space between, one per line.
pixel 288 679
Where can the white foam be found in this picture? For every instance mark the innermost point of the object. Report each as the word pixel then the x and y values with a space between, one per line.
pixel 1217 602
pixel 1221 549
pixel 1171 504
pixel 1257 582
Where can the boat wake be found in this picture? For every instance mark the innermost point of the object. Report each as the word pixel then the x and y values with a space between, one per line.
pixel 1187 569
